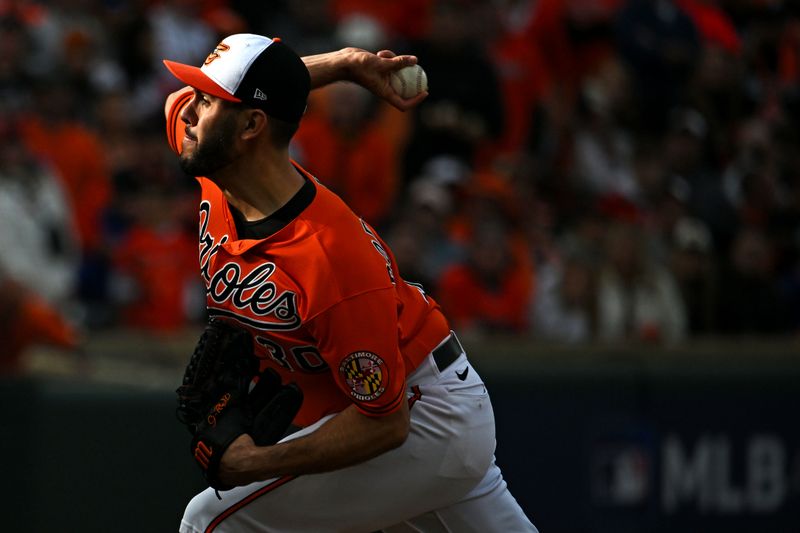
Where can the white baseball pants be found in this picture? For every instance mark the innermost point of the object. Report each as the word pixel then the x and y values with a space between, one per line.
pixel 442 479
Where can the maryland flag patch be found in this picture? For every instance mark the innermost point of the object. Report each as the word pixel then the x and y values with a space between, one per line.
pixel 365 374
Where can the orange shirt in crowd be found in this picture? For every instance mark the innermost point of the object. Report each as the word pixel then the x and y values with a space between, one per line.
pixel 162 266
pixel 362 170
pixel 77 155
pixel 27 320
pixel 469 302
pixel 524 81
pixel 568 60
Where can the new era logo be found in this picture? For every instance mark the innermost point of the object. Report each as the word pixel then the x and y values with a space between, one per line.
pixel 259 95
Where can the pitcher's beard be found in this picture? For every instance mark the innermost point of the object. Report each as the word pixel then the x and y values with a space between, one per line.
pixel 210 155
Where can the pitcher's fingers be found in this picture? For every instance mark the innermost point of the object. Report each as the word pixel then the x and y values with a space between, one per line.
pixel 404 104
pixel 404 60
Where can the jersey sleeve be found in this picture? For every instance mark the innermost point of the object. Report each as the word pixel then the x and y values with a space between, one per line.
pixel 172 109
pixel 358 339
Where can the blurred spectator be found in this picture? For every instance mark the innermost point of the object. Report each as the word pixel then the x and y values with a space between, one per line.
pixel 156 279
pixel 490 292
pixel 751 178
pixel 37 229
pixel 572 37
pixel 692 265
pixel 583 231
pixel 687 161
pixel 575 35
pixel 539 217
pixel 139 160
pixel 85 69
pixel 55 28
pixel 767 28
pixel 308 26
pixel 38 266
pixel 420 238
pixel 27 320
pixel 563 307
pixel 224 19
pixel 750 301
pixel 346 147
pixel 464 108
pixel 667 207
pixel 400 20
pixel 362 31
pixel 136 54
pixel 717 92
pixel 151 229
pixel 179 32
pixel 487 196
pixel 75 150
pixel 650 173
pixel 16 75
pixel 604 151
pixel 77 154
pixel 184 31
pixel 522 69
pixel 637 300
pixel 660 43
pixel 118 133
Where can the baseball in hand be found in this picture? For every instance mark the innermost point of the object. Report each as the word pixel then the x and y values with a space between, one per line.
pixel 409 81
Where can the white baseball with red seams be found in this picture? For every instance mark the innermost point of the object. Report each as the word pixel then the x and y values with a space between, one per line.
pixel 409 81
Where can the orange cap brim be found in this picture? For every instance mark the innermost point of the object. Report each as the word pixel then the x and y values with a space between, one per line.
pixel 194 77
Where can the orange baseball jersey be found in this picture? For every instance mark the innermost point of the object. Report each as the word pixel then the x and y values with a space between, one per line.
pixel 321 296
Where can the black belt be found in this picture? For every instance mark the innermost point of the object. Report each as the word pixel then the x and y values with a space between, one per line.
pixel 446 354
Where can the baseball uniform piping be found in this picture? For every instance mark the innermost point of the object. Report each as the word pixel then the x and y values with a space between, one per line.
pixel 249 499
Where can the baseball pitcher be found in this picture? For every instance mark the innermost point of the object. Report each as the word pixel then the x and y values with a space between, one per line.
pixel 312 324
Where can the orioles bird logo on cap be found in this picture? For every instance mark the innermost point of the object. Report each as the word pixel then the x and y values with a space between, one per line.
pixel 221 47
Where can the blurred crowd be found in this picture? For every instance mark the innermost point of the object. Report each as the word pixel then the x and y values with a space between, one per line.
pixel 582 171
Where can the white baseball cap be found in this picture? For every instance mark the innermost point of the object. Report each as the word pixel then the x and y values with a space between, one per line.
pixel 252 69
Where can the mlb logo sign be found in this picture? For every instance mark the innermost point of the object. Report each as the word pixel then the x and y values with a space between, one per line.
pixel 621 474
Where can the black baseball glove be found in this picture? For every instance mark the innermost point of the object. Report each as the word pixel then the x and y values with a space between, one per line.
pixel 216 404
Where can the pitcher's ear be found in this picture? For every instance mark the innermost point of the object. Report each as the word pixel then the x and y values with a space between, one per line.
pixel 255 122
